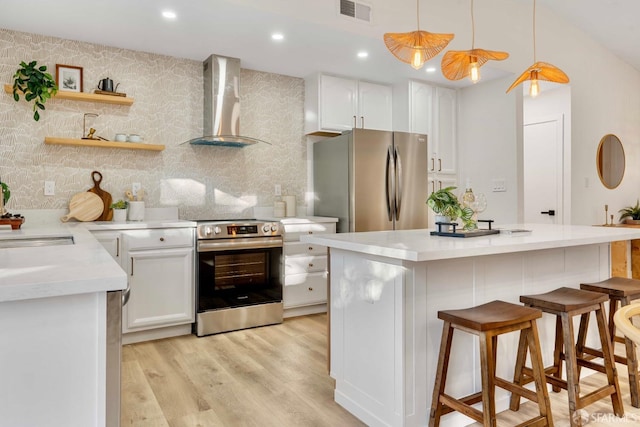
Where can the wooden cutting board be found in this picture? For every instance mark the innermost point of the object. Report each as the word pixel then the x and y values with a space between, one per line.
pixel 107 212
pixel 85 206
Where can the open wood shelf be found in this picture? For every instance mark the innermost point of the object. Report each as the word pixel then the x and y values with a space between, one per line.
pixel 102 144
pixel 87 97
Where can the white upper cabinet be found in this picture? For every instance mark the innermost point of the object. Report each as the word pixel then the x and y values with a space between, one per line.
pixel 337 104
pixel 374 106
pixel 420 107
pixel 443 146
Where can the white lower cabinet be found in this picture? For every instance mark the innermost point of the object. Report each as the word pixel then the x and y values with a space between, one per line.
pixel 305 268
pixel 159 264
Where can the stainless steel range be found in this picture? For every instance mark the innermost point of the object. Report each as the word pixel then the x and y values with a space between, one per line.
pixel 238 280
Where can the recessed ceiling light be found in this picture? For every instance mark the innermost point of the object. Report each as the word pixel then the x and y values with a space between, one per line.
pixel 169 14
pixel 431 69
pixel 277 36
pixel 363 54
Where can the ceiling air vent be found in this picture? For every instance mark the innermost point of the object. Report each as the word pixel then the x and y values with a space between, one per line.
pixel 355 10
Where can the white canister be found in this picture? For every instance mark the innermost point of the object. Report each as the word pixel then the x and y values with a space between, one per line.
pixel 119 215
pixel 290 203
pixel 136 211
pixel 279 209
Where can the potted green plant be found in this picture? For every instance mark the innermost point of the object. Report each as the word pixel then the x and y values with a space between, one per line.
pixel 632 212
pixel 35 83
pixel 447 207
pixel 119 210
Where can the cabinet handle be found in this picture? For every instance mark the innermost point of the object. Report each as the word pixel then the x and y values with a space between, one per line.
pixel 355 125
pixel 310 264
pixel 310 248
pixel 162 239
pixel 311 232
pixel 117 247
pixel 439 165
pixel 310 288
pixel 433 186
pixel 362 122
pixel 433 164
pixel 439 185
pixel 131 266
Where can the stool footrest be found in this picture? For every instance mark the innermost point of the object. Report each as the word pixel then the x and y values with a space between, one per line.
pixel 517 389
pixel 462 405
pixel 591 365
pixel 535 422
pixel 598 353
pixel 596 395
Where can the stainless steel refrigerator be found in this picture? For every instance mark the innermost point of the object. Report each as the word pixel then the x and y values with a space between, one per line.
pixel 372 180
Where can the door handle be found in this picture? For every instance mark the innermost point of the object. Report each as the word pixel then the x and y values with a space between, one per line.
pixel 550 212
pixel 389 184
pixel 398 197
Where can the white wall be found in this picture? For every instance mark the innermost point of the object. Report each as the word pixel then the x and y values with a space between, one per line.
pixel 487 145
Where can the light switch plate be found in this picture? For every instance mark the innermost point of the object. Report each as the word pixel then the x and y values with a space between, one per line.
pixel 135 187
pixel 498 185
pixel 49 188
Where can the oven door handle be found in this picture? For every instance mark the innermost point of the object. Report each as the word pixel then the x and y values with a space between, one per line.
pixel 250 243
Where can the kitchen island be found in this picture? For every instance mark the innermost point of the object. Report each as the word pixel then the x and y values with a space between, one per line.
pixel 387 287
pixel 53 333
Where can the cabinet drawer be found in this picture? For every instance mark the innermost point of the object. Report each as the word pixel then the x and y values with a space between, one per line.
pixel 158 238
pixel 292 232
pixel 300 248
pixel 304 264
pixel 311 290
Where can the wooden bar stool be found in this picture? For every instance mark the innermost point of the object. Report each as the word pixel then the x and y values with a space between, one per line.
pixel 621 292
pixel 565 303
pixel 487 321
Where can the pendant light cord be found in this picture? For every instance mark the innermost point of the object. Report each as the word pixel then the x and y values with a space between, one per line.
pixel 418 13
pixel 534 31
pixel 473 29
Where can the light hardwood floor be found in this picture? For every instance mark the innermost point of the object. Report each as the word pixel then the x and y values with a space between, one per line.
pixel 273 376
pixel 269 376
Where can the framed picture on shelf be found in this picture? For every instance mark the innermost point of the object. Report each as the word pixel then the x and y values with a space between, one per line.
pixel 69 78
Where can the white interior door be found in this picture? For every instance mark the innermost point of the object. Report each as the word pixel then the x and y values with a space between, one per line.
pixel 543 170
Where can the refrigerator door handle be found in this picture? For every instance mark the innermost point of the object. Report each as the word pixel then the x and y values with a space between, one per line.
pixel 398 195
pixel 390 183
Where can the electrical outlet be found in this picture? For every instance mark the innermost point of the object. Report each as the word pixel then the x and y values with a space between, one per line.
pixel 499 186
pixel 135 187
pixel 278 190
pixel 49 188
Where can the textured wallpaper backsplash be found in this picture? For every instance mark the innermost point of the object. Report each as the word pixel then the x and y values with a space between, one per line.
pixel 204 182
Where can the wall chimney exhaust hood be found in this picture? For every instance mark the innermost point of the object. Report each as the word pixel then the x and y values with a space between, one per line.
pixel 222 104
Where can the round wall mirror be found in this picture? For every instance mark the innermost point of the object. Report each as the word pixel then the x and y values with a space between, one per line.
pixel 610 161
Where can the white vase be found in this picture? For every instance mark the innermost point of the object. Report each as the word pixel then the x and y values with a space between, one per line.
pixel 442 218
pixel 119 215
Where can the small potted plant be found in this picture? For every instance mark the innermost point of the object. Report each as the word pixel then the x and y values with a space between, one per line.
pixel 631 213
pixel 35 83
pixel 447 207
pixel 119 211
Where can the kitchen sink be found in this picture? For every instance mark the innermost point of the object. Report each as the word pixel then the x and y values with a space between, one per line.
pixel 29 242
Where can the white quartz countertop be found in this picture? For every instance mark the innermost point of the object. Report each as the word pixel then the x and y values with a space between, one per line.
pixel 419 245
pixel 48 271
pixel 139 225
pixel 300 219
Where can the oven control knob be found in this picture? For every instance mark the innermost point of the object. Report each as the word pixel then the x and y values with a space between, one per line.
pixel 274 227
pixel 266 228
pixel 207 231
pixel 217 230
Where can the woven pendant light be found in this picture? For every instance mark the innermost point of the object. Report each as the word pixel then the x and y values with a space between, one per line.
pixel 539 70
pixel 417 47
pixel 458 64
